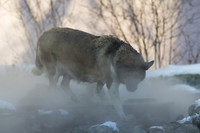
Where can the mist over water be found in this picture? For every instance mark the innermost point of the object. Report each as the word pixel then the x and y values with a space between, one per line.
pixel 159 99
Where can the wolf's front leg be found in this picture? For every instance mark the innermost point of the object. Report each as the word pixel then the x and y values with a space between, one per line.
pixel 115 99
pixel 97 92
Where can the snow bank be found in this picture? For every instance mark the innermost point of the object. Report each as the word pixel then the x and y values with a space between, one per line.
pixel 174 70
pixel 6 105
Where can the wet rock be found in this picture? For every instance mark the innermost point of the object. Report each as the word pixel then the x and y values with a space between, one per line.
pixel 156 131
pixel 80 129
pixel 193 110
pixel 180 128
pixel 180 117
pixel 128 125
pixel 190 79
pixel 139 129
pixel 188 128
pixel 196 122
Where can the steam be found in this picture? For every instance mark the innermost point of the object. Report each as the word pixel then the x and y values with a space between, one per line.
pixel 29 93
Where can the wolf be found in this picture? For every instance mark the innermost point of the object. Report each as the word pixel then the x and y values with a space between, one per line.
pixel 77 55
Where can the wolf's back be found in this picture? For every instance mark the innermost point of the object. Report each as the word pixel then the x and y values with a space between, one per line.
pixel 64 45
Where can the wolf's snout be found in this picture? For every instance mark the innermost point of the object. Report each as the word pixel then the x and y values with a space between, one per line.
pixel 131 88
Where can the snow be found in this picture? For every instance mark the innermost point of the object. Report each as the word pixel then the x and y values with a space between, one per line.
pixel 157 127
pixel 45 112
pixel 174 70
pixel 188 119
pixel 197 103
pixel 6 105
pixel 109 124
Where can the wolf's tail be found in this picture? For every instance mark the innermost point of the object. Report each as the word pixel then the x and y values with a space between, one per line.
pixel 38 70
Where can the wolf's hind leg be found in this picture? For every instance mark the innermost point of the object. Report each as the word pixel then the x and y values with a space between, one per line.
pixel 65 84
pixel 49 63
pixel 53 77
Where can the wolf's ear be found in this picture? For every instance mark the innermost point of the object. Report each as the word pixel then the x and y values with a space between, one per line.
pixel 148 64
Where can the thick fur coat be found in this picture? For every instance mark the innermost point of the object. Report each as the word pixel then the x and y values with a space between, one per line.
pixel 84 57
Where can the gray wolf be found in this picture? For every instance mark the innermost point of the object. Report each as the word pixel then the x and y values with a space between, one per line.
pixel 77 55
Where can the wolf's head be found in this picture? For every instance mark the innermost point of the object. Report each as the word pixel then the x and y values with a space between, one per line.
pixel 132 76
pixel 130 66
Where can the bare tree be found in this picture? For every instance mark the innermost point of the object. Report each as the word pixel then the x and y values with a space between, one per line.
pixel 3 2
pixel 192 49
pixel 152 26
pixel 38 16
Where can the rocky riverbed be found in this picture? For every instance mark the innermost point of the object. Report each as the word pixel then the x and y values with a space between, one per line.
pixel 143 117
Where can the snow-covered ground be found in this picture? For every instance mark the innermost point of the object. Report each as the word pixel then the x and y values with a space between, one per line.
pixel 175 70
